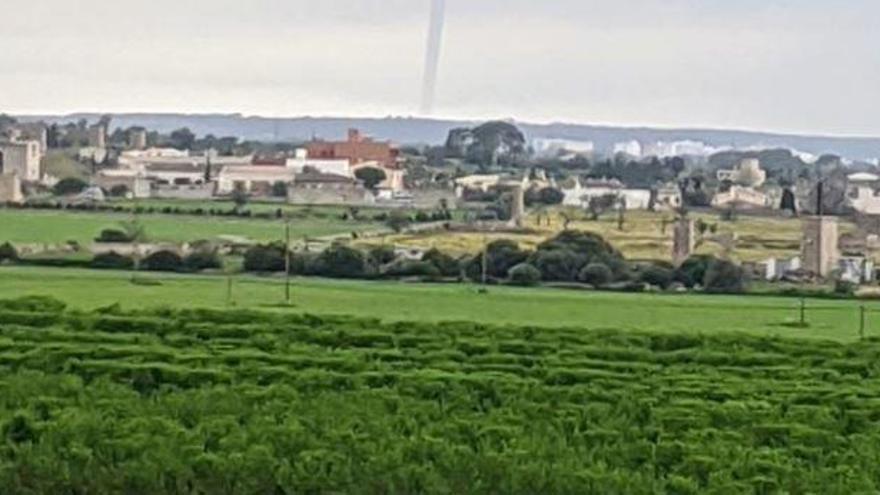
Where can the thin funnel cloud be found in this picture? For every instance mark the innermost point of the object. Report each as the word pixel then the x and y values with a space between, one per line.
pixel 432 56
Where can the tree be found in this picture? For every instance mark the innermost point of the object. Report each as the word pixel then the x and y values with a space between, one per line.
pixel 693 271
pixel 725 277
pixel 789 202
pixel 657 276
pixel 113 236
pixel 341 261
pixel 264 259
pixel 501 256
pixel 398 220
pixel 69 186
pixel 525 275
pixel 448 266
pixel 8 252
pixel 182 139
pixel 279 189
pixel 598 205
pixel 203 259
pixel 240 197
pixel 371 177
pixel 163 261
pixel 551 196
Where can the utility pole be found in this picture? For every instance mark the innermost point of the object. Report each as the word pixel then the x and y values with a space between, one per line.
pixel 862 321
pixel 485 260
pixel 287 259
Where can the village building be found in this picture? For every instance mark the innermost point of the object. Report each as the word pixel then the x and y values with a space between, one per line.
pixel 479 182
pixel 863 193
pixel 252 179
pixel 356 149
pixel 580 195
pixel 336 166
pixel 776 269
pixel 748 173
pixel 742 198
pixel 667 197
pixel 317 188
pixel 21 158
pixel 135 182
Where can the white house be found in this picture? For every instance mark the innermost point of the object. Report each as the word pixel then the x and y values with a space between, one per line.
pixel 336 166
pixel 748 174
pixel 252 178
pixel 580 195
pixel 739 196
pixel 630 148
pixel 863 193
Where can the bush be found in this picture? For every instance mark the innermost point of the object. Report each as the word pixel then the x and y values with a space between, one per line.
pixel 305 263
pixel 845 288
pixel 112 261
pixel 8 252
pixel 382 255
pixel 119 191
pixel 725 277
pixel 202 260
pixel 33 304
pixel 341 261
pixel 113 235
pixel 163 261
pixel 279 189
pixel 693 271
pixel 447 265
pixel 501 256
pixel 397 221
pixel 264 259
pixel 525 275
pixel 657 276
pixel 596 274
pixel 410 268
pixel 69 186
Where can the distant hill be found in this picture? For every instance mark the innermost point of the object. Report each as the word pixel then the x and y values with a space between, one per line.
pixel 408 130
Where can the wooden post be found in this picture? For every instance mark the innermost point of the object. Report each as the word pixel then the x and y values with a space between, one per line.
pixel 229 289
pixel 803 312
pixel 287 260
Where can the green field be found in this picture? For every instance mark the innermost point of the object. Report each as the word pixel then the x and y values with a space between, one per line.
pixel 393 301
pixel 58 227
pixel 246 402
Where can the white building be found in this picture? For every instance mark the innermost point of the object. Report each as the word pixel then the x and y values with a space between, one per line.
pixel 301 161
pixel 553 147
pixel 777 268
pixel 741 197
pixel 863 193
pixel 580 195
pixel 477 182
pixel 135 181
pixel 630 148
pixel 253 178
pixel 748 174
pixel 21 158
pixel 856 269
pixel 668 197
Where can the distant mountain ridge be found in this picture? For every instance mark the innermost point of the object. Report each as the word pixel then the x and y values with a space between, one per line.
pixel 412 130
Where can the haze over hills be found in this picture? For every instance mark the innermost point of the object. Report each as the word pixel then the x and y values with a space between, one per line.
pixel 411 130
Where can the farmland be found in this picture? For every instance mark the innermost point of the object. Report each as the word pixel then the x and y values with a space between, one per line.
pixel 202 401
pixel 643 235
pixel 58 227
pixel 392 301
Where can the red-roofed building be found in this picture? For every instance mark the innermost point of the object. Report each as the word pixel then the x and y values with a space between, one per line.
pixel 357 149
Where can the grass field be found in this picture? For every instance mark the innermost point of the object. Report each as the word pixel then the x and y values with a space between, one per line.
pixel 643 236
pixel 57 227
pixel 432 303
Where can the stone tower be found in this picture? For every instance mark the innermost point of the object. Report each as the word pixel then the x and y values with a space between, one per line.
pixel 518 206
pixel 684 240
pixel 820 245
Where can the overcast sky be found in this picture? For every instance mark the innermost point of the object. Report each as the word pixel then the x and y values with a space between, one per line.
pixel 781 65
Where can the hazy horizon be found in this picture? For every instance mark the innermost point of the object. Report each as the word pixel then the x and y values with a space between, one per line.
pixel 786 66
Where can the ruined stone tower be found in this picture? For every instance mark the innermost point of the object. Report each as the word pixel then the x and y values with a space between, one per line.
pixel 819 245
pixel 684 240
